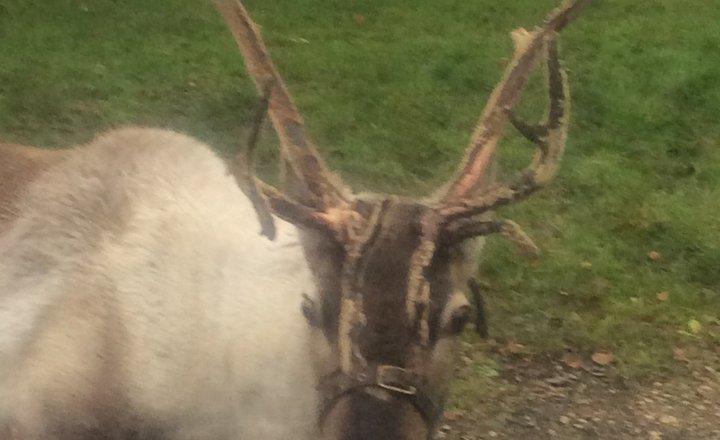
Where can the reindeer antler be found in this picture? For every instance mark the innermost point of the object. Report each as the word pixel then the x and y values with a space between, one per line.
pixel 242 167
pixel 462 206
pixel 529 46
pixel 297 149
pixel 550 139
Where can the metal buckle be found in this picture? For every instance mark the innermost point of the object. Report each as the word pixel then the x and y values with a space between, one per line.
pixel 395 379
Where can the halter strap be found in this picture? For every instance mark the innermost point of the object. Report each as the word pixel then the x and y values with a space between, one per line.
pixel 400 382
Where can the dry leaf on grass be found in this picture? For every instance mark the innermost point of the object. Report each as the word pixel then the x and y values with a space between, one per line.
pixel 572 362
pixel 654 255
pixel 453 415
pixel 603 358
pixel 679 354
pixel 514 348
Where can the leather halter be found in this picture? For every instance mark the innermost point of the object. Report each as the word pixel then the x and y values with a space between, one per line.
pixel 400 382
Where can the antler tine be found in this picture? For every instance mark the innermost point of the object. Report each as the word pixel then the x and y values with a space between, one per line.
pixel 474 227
pixel 266 198
pixel 529 46
pixel 297 149
pixel 242 169
pixel 550 138
pixel 299 214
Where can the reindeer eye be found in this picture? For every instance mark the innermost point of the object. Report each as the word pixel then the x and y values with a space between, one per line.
pixel 310 311
pixel 459 320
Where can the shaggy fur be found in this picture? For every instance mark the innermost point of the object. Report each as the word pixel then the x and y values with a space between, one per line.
pixel 137 300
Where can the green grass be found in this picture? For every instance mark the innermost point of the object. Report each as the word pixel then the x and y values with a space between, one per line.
pixel 392 102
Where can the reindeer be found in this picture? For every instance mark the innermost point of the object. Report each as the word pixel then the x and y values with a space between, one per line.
pixel 137 299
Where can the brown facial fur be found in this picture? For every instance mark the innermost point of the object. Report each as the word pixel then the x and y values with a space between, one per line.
pixel 388 337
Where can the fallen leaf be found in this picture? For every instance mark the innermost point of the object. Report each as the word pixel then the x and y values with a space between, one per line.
pixel 453 414
pixel 514 348
pixel 359 19
pixel 654 255
pixel 572 362
pixel 603 358
pixel 663 296
pixel 694 326
pixel 679 354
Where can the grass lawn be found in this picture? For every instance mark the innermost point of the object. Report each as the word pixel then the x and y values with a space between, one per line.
pixel 391 90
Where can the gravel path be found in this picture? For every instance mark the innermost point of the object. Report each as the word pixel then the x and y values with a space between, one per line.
pixel 551 400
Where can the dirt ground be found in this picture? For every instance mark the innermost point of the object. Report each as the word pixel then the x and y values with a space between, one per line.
pixel 543 399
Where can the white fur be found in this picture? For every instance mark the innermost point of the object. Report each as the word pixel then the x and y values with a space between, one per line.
pixel 134 280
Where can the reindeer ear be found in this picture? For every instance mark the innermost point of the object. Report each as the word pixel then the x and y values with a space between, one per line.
pixel 481 325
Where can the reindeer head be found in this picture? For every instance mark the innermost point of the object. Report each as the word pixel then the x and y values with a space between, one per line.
pixel 391 270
